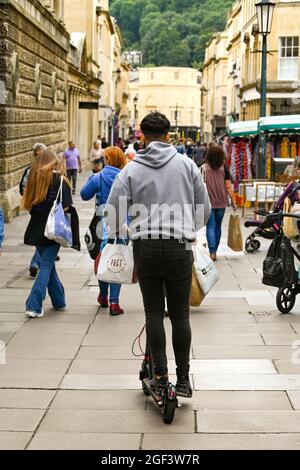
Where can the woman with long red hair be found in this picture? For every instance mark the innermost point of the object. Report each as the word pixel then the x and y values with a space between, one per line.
pixel 99 185
pixel 40 193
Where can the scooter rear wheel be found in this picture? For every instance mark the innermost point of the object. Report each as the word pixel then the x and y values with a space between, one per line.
pixel 286 299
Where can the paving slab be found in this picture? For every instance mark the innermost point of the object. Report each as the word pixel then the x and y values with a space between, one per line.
pixel 34 366
pixel 228 339
pixel 84 441
pixel 277 339
pixel 294 397
pixel 42 351
pixel 19 419
pixel 222 442
pixel 285 366
pixel 30 380
pixel 14 440
pixel 247 382
pixel 99 400
pixel 28 337
pixel 239 400
pixel 239 352
pixel 101 382
pixel 32 399
pixel 248 422
pixel 116 422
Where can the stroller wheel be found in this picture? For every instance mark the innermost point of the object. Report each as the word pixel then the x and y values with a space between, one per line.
pixel 252 246
pixel 285 299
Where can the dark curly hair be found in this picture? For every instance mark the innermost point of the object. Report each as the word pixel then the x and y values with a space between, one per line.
pixel 155 125
pixel 215 156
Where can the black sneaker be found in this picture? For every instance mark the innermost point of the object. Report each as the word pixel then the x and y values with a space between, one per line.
pixel 184 388
pixel 33 271
pixel 158 384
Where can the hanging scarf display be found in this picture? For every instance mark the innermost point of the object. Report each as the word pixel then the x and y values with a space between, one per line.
pixel 241 162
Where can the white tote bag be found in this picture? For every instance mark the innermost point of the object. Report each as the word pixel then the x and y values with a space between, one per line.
pixel 205 269
pixel 116 264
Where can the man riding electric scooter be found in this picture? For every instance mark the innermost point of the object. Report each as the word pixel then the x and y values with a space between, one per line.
pixel 168 204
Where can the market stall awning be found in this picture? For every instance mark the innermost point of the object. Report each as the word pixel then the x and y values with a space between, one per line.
pixel 243 128
pixel 280 124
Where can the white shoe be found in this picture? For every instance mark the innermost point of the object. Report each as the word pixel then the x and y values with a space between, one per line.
pixel 34 314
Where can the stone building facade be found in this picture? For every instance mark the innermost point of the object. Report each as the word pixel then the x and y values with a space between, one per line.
pixel 34 46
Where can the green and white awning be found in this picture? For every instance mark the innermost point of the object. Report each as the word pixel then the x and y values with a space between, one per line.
pixel 280 124
pixel 243 128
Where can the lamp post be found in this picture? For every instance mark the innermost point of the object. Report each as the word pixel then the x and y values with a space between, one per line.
pixel 244 107
pixel 176 118
pixel 265 10
pixel 135 102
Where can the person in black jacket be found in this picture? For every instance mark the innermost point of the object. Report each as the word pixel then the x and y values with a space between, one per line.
pixel 40 193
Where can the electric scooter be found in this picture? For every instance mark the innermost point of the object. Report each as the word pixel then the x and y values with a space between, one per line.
pixel 167 401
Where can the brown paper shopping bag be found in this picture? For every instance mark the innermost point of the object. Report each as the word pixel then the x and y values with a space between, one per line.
pixel 197 296
pixel 235 239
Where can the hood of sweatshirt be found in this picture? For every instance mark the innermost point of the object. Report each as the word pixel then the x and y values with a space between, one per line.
pixel 156 155
pixel 108 175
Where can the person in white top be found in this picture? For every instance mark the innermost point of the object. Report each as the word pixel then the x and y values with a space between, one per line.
pixel 97 157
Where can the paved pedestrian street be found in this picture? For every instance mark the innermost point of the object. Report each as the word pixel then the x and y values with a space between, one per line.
pixel 71 382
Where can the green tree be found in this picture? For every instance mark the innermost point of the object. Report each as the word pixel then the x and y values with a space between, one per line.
pixel 170 32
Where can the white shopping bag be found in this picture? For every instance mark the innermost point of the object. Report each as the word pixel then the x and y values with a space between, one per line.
pixel 205 269
pixel 116 264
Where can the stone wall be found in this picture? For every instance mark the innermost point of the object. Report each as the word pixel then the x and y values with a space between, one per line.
pixel 33 78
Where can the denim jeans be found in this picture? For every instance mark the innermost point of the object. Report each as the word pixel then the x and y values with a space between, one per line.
pixel 114 291
pixel 165 267
pixel 47 278
pixel 214 229
pixel 35 262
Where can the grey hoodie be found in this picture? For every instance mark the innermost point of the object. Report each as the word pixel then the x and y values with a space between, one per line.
pixel 163 193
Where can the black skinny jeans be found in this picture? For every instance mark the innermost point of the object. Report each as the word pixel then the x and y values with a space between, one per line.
pixel 165 266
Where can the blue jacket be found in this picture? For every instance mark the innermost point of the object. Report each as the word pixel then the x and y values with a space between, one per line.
pixel 99 185
pixel 1 227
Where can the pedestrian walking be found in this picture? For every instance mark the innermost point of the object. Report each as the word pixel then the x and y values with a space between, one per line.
pixel 97 157
pixel 218 181
pixel 189 149
pixel 100 185
pixel 38 150
pixel 156 181
pixel 73 164
pixel 104 143
pixel 40 193
pixel 1 229
pixel 199 153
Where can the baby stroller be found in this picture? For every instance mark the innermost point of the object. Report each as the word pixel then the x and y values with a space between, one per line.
pixel 264 228
pixel 279 265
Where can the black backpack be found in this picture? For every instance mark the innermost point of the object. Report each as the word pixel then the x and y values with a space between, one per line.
pixel 279 267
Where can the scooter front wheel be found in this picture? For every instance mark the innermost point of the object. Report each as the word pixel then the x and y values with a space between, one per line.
pixel 286 299
pixel 252 246
pixel 169 411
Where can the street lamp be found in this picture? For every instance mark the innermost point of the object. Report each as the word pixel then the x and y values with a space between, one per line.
pixel 265 10
pixel 176 118
pixel 135 101
pixel 244 107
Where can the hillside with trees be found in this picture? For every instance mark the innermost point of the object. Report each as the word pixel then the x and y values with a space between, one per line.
pixel 170 32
